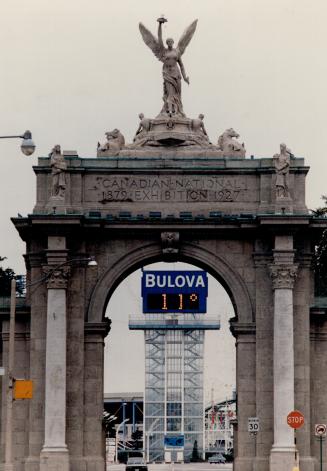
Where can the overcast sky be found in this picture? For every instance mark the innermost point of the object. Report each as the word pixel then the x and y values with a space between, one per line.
pixel 124 351
pixel 72 70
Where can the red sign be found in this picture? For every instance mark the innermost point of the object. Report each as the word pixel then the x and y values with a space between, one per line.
pixel 295 419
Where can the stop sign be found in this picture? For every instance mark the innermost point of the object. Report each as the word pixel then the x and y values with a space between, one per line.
pixel 295 419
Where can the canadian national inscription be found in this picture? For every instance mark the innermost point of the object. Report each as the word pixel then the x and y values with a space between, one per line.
pixel 169 188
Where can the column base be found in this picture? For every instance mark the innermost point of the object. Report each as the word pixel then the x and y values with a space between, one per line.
pixel 307 463
pixel 32 463
pixel 261 464
pixel 7 467
pixel 54 459
pixel 282 458
pixel 243 464
pixel 94 463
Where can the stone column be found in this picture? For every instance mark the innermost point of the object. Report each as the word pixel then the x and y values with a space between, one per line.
pixel 264 356
pixel 94 453
pixel 244 445
pixel 20 408
pixel 54 454
pixel 283 274
pixel 303 299
pixel 37 299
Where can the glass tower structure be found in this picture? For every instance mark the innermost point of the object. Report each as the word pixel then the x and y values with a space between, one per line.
pixel 173 397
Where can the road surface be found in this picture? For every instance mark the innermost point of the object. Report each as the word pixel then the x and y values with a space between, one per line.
pixel 179 467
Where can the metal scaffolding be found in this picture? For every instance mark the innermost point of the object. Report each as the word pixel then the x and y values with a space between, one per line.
pixel 173 399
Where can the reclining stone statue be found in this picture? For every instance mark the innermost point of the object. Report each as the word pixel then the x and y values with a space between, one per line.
pixel 229 145
pixel 115 142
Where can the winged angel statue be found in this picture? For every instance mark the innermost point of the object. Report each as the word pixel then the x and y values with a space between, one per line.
pixel 173 68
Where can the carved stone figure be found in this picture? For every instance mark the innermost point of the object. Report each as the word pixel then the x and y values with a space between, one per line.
pixel 115 142
pixel 58 169
pixel 173 68
pixel 170 241
pixel 144 127
pixel 197 126
pixel 229 145
pixel 282 163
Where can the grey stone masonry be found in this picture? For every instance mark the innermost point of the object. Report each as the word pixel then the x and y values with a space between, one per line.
pixel 170 185
pixel 220 214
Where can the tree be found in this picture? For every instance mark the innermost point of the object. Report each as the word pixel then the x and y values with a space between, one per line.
pixel 6 275
pixel 195 452
pixel 322 211
pixel 137 436
pixel 320 255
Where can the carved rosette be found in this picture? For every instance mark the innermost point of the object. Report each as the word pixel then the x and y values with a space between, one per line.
pixel 56 278
pixel 283 276
pixel 170 242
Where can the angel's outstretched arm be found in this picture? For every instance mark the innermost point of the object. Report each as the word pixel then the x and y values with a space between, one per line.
pixel 181 65
pixel 161 44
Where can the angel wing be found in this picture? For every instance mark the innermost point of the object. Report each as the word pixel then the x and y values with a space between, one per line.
pixel 152 42
pixel 186 37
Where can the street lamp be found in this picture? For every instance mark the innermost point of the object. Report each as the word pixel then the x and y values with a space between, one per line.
pixel 27 146
pixel 148 434
pixel 117 431
pixel 9 463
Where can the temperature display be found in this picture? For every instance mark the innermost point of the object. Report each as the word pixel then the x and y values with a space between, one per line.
pixel 171 302
pixel 174 291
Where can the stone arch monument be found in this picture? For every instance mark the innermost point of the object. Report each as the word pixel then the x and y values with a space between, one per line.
pixel 170 195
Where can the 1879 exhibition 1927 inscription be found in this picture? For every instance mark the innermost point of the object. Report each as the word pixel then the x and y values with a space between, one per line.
pixel 167 188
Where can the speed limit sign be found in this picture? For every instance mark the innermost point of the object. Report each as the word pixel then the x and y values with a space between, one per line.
pixel 253 425
pixel 320 430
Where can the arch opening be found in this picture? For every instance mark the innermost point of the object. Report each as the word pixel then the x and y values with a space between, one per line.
pixel 193 255
pixel 125 357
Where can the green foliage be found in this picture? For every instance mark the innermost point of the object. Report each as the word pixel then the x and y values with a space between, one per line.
pixel 322 211
pixel 6 275
pixel 320 266
pixel 137 436
pixel 195 452
pixel 320 255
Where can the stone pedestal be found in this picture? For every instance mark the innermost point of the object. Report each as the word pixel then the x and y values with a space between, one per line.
pixel 54 460
pixel 56 205
pixel 282 459
pixel 284 205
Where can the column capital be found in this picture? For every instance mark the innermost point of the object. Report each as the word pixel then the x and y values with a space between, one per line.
pixel 305 260
pixel 246 330
pixel 97 328
pixel 283 276
pixel 56 278
pixel 262 259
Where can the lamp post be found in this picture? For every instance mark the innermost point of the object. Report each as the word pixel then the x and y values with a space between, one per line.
pixel 148 434
pixel 27 146
pixel 9 462
pixel 9 465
